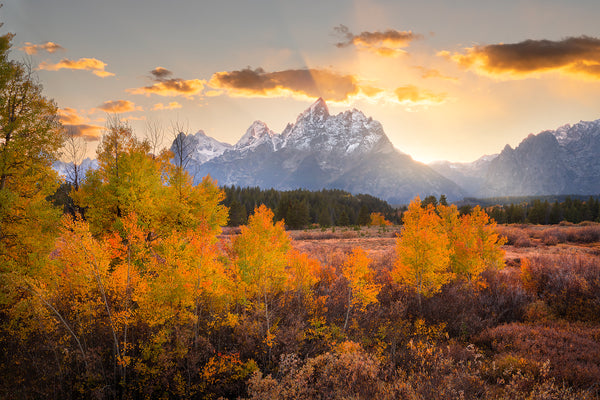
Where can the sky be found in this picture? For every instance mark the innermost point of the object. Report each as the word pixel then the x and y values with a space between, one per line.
pixel 447 80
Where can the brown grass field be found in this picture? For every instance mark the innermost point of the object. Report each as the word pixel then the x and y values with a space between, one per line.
pixel 523 241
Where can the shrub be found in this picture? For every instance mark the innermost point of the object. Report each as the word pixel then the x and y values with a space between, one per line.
pixel 573 349
pixel 569 284
pixel 518 237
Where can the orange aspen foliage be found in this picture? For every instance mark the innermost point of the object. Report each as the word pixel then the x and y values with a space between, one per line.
pixel 302 272
pixel 423 253
pixel 185 270
pixel 377 219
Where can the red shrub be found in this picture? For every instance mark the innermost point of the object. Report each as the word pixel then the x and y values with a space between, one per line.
pixel 572 349
pixel 568 283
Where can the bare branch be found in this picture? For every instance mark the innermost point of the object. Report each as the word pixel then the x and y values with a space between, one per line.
pixel 75 149
pixel 156 135
pixel 182 145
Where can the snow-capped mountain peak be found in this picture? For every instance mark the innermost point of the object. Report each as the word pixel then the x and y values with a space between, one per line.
pixel 318 111
pixel 258 133
pixel 350 132
pixel 205 147
pixel 569 133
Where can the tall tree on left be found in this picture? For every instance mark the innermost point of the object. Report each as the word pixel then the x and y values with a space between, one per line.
pixel 30 139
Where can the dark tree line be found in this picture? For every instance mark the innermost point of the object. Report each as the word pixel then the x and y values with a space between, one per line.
pixel 544 212
pixel 300 208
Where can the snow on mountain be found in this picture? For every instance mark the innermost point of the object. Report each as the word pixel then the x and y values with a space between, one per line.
pixel 561 161
pixel 571 133
pixel 346 151
pixel 258 134
pixel 205 147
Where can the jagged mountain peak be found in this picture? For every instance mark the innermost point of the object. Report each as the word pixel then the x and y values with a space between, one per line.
pixel 317 112
pixel 569 133
pixel 258 133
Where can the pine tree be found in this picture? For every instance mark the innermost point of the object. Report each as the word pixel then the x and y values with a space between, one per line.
pixel 364 216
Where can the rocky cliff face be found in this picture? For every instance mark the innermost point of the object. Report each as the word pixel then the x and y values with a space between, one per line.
pixel 563 161
pixel 347 151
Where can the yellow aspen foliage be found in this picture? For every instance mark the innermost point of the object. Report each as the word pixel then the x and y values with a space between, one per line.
pixel 261 258
pixel 474 243
pixel 186 206
pixel 362 291
pixel 128 180
pixel 261 254
pixel 30 140
pixel 422 250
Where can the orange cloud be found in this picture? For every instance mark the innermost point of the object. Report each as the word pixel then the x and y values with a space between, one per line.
pixel 304 83
pixel 578 56
pixel 411 95
pixel 119 106
pixel 389 43
pixel 50 47
pixel 172 87
pixel 171 106
pixel 79 126
pixel 427 73
pixel 88 64
pixel 70 116
pixel 132 118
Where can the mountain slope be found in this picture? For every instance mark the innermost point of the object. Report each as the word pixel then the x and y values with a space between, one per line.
pixel 553 162
pixel 347 151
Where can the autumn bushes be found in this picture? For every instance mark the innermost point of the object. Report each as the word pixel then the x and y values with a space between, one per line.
pixel 532 235
pixel 565 286
pixel 572 350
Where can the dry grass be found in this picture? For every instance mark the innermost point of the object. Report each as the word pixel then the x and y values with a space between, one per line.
pixel 378 243
pixel 523 241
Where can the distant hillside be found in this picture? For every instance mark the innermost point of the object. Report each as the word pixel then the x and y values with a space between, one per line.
pixel 559 162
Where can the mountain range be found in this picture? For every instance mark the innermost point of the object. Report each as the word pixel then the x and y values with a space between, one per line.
pixel 553 162
pixel 351 151
pixel 347 151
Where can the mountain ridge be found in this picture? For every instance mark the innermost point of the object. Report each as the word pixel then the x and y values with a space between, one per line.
pixel 553 162
pixel 347 151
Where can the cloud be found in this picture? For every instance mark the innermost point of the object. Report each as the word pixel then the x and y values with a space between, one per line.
pixel 170 87
pixel 160 73
pixel 119 106
pixel 171 106
pixel 578 56
pixel 411 95
pixel 427 73
pixel 50 47
pixel 88 64
pixel 389 43
pixel 304 83
pixel 78 125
